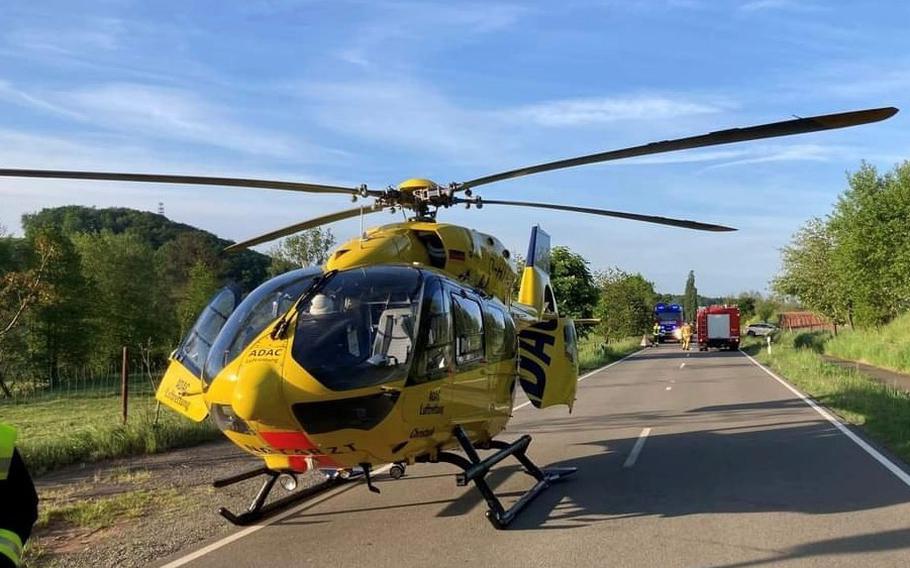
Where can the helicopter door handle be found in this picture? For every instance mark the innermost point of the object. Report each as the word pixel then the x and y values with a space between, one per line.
pixel 389 389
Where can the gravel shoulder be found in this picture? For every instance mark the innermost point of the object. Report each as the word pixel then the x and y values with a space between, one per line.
pixel 133 511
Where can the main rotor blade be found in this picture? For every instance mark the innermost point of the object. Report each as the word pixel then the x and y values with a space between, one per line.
pixel 686 224
pixel 308 224
pixel 181 179
pixel 771 130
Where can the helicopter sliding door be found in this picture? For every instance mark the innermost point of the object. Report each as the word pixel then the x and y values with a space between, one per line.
pixel 467 393
pixel 182 387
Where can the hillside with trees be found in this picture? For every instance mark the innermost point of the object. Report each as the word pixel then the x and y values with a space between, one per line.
pixel 94 280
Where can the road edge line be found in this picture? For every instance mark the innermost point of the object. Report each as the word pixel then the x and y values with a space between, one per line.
pixel 895 469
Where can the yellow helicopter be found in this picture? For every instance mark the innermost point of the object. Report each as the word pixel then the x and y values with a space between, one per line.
pixel 406 345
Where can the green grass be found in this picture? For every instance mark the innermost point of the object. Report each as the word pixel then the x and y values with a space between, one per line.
pixel 97 513
pixel 883 412
pixel 593 353
pixel 887 347
pixel 54 432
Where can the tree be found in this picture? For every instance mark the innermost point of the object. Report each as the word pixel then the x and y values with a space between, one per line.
pixel 131 307
pixel 573 284
pixel 59 327
pixel 690 297
pixel 201 287
pixel 869 229
pixel 308 248
pixel 19 291
pixel 853 265
pixel 746 304
pixel 626 304
pixel 809 273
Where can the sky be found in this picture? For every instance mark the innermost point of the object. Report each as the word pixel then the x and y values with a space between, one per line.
pixel 351 92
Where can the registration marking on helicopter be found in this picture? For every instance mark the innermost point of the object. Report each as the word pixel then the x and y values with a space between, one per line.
pixel 325 497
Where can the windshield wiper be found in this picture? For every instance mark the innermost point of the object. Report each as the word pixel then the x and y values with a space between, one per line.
pixel 281 326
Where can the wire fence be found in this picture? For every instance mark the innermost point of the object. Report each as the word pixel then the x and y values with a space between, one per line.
pixel 21 385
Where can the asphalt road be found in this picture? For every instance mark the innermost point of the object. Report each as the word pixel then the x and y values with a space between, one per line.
pixel 736 470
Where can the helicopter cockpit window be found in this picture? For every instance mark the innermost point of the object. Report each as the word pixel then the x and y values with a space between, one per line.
pixel 359 328
pixel 195 347
pixel 260 308
pixel 434 357
pixel 468 330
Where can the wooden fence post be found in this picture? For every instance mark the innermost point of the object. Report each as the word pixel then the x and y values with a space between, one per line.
pixel 125 384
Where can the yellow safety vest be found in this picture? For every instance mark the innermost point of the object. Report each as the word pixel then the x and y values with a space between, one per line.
pixel 7 443
pixel 10 543
pixel 11 546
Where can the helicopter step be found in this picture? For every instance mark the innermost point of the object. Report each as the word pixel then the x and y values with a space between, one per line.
pixel 258 509
pixel 476 469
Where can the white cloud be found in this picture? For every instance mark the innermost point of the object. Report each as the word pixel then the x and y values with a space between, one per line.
pixel 165 113
pixel 92 34
pixel 793 5
pixel 16 96
pixel 397 27
pixel 175 114
pixel 594 111
pixel 794 153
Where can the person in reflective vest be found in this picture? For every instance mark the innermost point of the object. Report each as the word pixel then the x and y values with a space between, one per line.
pixel 686 335
pixel 18 501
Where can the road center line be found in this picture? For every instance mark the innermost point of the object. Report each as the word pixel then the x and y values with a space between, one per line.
pixel 636 449
pixel 308 504
pixel 889 465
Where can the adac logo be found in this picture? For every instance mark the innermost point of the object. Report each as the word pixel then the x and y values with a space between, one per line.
pixel 265 354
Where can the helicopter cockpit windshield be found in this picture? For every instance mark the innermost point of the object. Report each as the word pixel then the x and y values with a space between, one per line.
pixel 260 308
pixel 359 328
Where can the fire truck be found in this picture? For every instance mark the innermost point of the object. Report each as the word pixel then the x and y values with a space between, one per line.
pixel 670 319
pixel 717 326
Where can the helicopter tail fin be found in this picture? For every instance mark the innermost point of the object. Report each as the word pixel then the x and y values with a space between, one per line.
pixel 535 290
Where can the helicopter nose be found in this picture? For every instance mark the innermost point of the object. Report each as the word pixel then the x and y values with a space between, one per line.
pixel 258 391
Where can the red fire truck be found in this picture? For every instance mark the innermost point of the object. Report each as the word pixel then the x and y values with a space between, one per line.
pixel 717 326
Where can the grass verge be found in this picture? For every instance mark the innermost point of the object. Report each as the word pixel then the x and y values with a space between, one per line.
pixel 61 431
pixel 887 347
pixel 883 412
pixel 593 353
pixel 99 513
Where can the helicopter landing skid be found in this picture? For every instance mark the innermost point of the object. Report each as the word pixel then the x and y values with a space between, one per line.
pixel 258 509
pixel 476 470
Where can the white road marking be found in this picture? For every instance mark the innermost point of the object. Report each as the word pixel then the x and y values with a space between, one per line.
pixel 683 365
pixel 668 388
pixel 889 465
pixel 636 449
pixel 308 504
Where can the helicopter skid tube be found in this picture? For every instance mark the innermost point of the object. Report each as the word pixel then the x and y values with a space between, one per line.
pixel 476 470
pixel 258 509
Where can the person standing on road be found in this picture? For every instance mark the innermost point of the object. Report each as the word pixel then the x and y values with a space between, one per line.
pixel 655 333
pixel 686 332
pixel 18 501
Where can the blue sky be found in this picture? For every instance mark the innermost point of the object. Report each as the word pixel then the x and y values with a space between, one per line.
pixel 375 92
